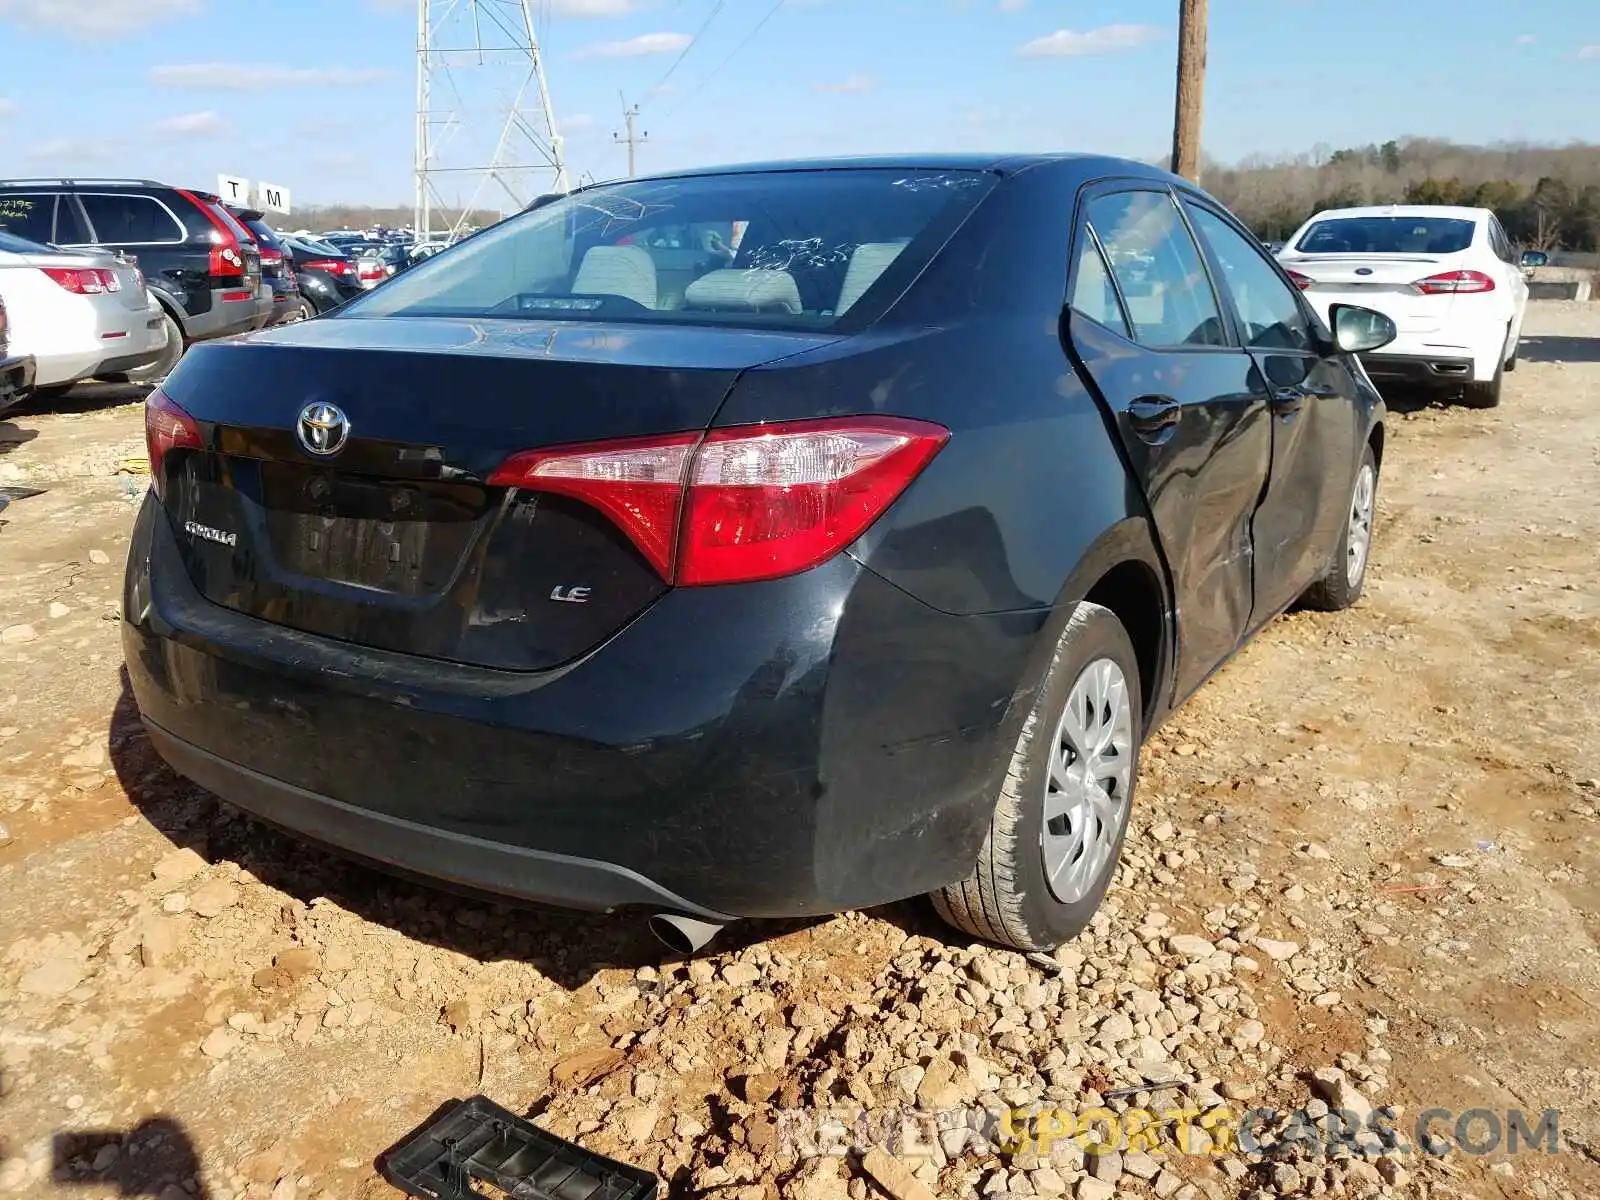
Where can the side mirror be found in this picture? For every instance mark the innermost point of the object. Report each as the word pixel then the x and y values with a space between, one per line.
pixel 1534 258
pixel 1358 330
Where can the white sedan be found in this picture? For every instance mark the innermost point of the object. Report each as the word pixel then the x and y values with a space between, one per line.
pixel 1448 277
pixel 81 314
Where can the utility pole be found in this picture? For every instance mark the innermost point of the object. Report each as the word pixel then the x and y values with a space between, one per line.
pixel 1191 89
pixel 633 138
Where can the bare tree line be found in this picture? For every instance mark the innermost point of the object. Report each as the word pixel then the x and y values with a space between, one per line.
pixel 1548 197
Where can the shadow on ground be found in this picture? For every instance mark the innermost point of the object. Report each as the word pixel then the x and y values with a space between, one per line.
pixel 1554 349
pixel 147 1160
pixel 566 947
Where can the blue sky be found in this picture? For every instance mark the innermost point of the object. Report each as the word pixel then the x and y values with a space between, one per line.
pixel 318 95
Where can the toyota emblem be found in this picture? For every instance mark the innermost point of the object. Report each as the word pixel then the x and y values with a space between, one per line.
pixel 322 428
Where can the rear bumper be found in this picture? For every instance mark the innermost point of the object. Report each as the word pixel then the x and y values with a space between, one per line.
pixel 224 317
pixel 1437 370
pixel 790 748
pixel 16 379
pixel 469 861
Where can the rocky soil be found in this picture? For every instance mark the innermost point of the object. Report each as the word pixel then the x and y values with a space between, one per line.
pixel 1363 872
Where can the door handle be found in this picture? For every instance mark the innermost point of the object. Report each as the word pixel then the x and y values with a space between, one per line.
pixel 1153 416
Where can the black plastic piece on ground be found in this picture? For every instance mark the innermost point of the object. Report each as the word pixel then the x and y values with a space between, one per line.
pixel 476 1139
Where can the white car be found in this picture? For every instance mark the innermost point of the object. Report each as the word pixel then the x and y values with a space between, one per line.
pixel 1448 277
pixel 80 314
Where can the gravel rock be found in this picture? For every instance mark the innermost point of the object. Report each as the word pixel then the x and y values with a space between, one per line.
pixel 893 1176
pixel 1047 1181
pixel 219 1043
pixel 1191 947
pixel 177 867
pixel 1334 1086
pixel 741 974
pixel 53 978
pixel 1090 1188
pixel 1106 1166
pixel 214 897
pixel 1144 1166
pixel 14 635
pixel 1277 951
pixel 99 557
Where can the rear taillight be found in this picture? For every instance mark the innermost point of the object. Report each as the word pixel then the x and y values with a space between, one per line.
pixel 86 281
pixel 372 270
pixel 1452 282
pixel 227 252
pixel 740 504
pixel 271 257
pixel 166 427
pixel 333 266
pixel 1300 281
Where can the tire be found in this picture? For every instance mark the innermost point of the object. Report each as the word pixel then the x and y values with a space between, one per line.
pixel 1341 586
pixel 1008 898
pixel 1511 359
pixel 162 367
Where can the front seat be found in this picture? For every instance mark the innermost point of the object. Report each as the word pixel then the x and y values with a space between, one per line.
pixel 626 271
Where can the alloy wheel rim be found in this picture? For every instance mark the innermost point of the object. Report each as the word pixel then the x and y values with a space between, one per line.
pixel 1089 781
pixel 1360 536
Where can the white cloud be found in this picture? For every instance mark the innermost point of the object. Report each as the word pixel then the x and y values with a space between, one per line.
pixel 854 84
pixel 576 123
pixel 260 77
pixel 1589 51
pixel 75 150
pixel 1013 5
pixel 1067 43
pixel 7 107
pixel 1526 39
pixel 95 18
pixel 637 47
pixel 194 125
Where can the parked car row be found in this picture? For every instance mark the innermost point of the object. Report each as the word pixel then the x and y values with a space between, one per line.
pixel 114 279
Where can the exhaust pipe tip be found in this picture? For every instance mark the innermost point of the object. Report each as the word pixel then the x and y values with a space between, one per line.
pixel 683 935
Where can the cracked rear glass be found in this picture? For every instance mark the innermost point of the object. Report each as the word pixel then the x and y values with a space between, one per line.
pixel 789 249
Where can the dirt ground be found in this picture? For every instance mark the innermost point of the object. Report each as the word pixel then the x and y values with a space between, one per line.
pixel 1370 843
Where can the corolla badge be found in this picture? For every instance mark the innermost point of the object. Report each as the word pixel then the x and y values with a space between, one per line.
pixel 222 537
pixel 322 428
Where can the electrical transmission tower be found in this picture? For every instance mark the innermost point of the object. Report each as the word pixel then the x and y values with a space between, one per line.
pixel 486 132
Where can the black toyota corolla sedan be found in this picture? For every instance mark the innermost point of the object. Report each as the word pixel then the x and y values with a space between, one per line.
pixel 762 541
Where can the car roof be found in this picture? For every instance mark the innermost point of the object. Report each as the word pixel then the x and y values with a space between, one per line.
pixel 1457 211
pixel 998 163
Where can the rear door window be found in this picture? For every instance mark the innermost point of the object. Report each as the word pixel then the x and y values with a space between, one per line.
pixel 130 220
pixel 1158 269
pixel 1268 308
pixel 29 215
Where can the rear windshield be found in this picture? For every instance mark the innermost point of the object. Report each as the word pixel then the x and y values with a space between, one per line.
pixel 1387 235
pixel 264 234
pixel 783 249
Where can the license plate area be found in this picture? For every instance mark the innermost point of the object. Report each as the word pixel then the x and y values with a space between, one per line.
pixel 404 538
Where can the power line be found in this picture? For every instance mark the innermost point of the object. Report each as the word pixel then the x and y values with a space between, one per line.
pixel 710 16
pixel 748 38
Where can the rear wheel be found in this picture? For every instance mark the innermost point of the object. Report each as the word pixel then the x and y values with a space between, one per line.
pixel 1062 813
pixel 162 367
pixel 1347 572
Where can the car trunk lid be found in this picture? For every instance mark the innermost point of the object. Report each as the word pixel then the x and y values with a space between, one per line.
pixel 397 540
pixel 1385 282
